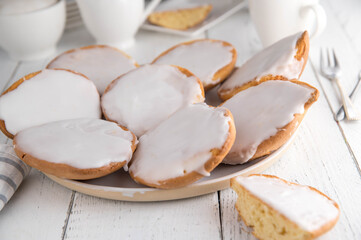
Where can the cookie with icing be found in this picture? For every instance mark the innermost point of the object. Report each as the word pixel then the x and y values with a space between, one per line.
pixel 266 116
pixel 210 60
pixel 77 148
pixel 100 63
pixel 46 96
pixel 278 209
pixel 285 59
pixel 182 18
pixel 184 148
pixel 146 96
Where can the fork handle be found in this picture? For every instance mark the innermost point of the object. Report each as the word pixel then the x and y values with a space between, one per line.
pixel 340 115
pixel 351 111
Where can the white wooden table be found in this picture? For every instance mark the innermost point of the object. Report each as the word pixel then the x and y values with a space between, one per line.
pixel 326 154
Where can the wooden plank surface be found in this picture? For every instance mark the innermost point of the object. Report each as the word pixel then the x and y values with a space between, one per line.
pixel 323 154
pixel 36 211
pixel 341 34
pixel 94 218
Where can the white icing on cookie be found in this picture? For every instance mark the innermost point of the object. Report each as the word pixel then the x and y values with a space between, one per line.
pixel 100 64
pixel 181 144
pixel 203 58
pixel 260 111
pixel 301 205
pixel 277 59
pixel 146 96
pixel 51 95
pixel 80 143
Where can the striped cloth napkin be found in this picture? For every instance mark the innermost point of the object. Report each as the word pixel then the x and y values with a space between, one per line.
pixel 12 173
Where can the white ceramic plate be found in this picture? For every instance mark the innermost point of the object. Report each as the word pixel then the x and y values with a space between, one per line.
pixel 221 10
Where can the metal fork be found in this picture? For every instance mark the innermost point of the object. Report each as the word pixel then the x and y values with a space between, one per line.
pixel 332 71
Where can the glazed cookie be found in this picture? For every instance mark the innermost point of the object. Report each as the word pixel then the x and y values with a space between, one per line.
pixel 76 149
pixel 283 60
pixel 210 60
pixel 100 63
pixel 277 209
pixel 266 116
pixel 184 148
pixel 173 17
pixel 144 97
pixel 46 96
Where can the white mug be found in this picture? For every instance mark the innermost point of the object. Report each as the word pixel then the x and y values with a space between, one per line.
pixel 114 22
pixel 32 35
pixel 276 19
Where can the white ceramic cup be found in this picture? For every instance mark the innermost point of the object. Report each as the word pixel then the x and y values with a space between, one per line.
pixel 32 35
pixel 276 19
pixel 114 22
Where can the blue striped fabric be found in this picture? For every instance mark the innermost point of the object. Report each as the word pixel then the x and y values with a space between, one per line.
pixel 12 173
